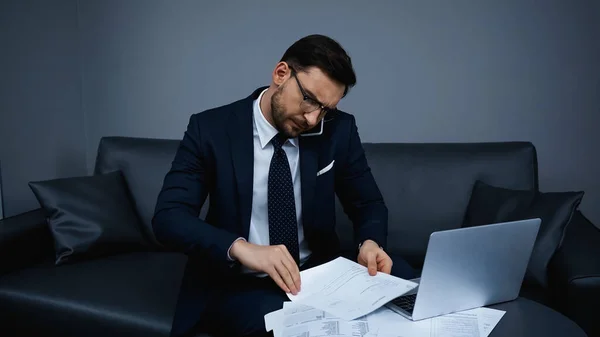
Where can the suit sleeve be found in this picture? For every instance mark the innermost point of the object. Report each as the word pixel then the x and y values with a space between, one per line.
pixel 359 194
pixel 176 221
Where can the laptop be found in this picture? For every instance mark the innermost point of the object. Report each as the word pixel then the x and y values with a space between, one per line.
pixel 468 268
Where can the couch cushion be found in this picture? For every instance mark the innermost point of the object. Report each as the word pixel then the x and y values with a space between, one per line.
pixel 492 204
pixel 24 238
pixel 144 163
pixel 427 187
pixel 90 216
pixel 125 295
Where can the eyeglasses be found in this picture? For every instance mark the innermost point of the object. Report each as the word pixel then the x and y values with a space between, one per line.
pixel 310 104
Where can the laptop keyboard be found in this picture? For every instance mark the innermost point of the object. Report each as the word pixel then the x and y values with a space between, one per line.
pixel 407 302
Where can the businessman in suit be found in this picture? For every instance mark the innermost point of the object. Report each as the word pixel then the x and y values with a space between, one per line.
pixel 271 165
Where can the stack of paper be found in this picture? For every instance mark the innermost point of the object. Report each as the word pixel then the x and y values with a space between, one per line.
pixel 470 323
pixel 298 320
pixel 340 298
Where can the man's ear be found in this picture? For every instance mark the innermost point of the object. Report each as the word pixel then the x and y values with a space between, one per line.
pixel 281 73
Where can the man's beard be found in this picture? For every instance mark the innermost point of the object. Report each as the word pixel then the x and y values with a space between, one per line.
pixel 278 114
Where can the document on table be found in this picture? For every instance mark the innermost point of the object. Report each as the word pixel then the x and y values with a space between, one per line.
pixel 488 319
pixel 469 323
pixel 300 320
pixel 345 289
pixel 459 324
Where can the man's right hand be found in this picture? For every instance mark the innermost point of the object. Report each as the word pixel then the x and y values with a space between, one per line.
pixel 276 261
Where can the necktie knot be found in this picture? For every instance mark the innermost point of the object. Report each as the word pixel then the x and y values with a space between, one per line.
pixel 278 141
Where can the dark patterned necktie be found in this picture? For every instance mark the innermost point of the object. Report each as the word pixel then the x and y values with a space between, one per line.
pixel 283 226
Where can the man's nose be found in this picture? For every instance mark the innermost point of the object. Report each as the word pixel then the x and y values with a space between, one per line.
pixel 312 118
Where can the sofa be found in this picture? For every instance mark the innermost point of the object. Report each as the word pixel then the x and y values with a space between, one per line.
pixel 427 188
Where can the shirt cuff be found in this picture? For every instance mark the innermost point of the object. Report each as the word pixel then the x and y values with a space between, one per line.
pixel 229 258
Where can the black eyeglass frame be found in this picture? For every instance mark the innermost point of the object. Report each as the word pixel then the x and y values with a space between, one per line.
pixel 307 99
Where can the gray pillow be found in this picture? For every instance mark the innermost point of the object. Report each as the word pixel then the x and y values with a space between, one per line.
pixel 90 216
pixel 492 204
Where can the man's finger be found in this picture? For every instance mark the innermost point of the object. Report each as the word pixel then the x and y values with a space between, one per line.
pixel 295 270
pixel 385 266
pixel 292 270
pixel 275 276
pixel 292 266
pixel 286 276
pixel 286 255
pixel 371 263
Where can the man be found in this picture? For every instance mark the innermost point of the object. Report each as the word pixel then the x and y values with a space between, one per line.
pixel 272 165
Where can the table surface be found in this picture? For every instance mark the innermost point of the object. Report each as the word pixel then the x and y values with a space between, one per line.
pixel 525 317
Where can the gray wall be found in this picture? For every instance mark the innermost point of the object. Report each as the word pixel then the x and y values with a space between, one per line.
pixel 428 71
pixel 41 124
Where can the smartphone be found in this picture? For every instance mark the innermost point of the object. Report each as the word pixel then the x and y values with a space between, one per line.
pixel 316 131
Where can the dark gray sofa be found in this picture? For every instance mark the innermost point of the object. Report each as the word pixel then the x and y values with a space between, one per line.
pixel 426 187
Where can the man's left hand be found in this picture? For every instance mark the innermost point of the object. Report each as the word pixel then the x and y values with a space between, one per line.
pixel 374 258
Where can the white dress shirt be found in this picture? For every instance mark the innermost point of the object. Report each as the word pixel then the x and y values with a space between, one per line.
pixel 263 132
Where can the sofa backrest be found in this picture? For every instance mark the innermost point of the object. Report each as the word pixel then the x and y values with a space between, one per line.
pixel 426 187
pixel 144 163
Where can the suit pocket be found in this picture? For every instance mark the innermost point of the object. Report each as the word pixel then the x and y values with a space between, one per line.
pixel 326 169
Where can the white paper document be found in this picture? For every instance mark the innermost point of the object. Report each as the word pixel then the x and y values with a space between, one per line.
pixel 387 323
pixel 345 289
pixel 341 299
pixel 488 319
pixel 470 323
pixel 296 320
pixel 455 325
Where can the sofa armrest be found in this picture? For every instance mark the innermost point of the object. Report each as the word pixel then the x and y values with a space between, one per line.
pixel 24 240
pixel 575 274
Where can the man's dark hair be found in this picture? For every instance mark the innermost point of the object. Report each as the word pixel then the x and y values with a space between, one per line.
pixel 324 53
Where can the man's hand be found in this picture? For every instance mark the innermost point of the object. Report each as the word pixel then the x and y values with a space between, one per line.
pixel 276 261
pixel 374 258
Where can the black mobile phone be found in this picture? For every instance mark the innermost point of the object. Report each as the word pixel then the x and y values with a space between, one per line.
pixel 316 131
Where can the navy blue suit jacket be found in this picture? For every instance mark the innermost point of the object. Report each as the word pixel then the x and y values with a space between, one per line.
pixel 215 157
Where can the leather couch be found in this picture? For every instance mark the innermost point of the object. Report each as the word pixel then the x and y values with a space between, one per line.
pixel 426 187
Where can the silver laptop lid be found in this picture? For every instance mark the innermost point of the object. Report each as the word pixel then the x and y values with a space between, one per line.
pixel 472 267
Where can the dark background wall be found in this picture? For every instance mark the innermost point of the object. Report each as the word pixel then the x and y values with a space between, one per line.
pixel 41 120
pixel 428 71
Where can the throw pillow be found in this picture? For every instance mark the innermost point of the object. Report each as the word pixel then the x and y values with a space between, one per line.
pixel 89 216
pixel 491 204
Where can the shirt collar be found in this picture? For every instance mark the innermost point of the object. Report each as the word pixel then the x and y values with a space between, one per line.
pixel 266 131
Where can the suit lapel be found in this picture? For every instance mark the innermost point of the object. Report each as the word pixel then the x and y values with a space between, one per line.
pixel 308 177
pixel 242 152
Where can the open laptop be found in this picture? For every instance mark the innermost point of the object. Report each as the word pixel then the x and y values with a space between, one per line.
pixel 469 268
